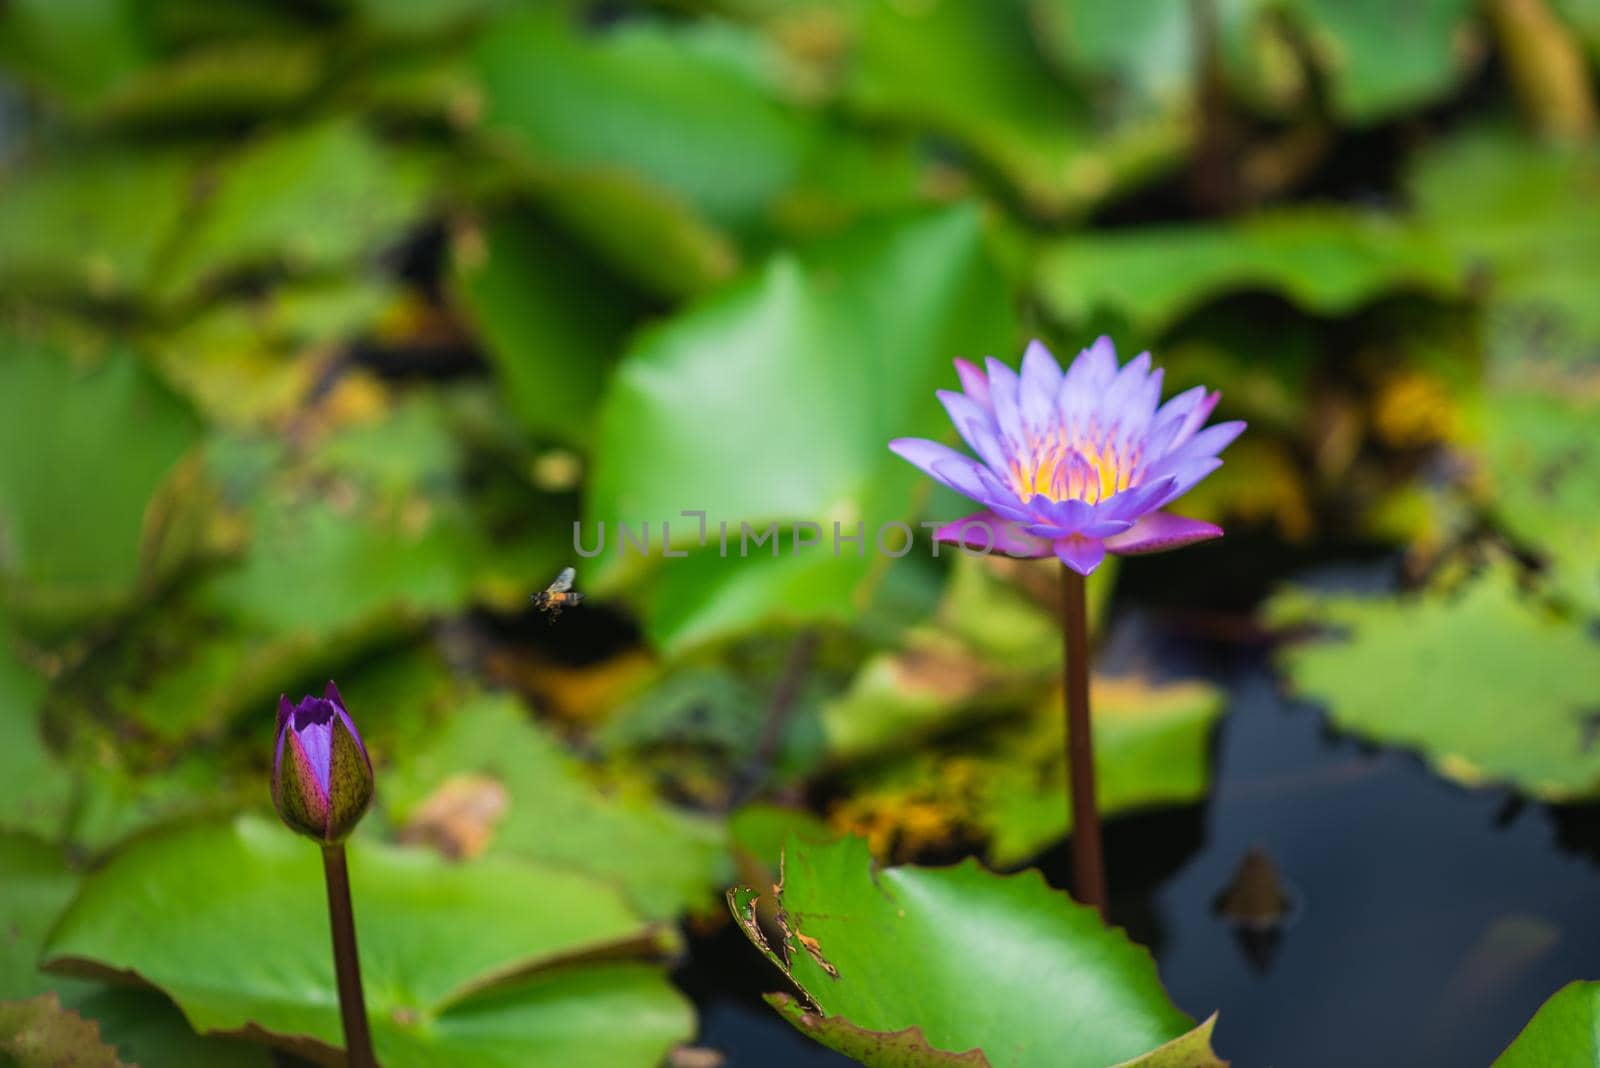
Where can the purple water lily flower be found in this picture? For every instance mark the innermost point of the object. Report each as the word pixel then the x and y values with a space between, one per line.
pixel 321 774
pixel 1077 464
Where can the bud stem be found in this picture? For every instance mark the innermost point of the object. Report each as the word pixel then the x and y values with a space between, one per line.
pixel 1088 863
pixel 346 964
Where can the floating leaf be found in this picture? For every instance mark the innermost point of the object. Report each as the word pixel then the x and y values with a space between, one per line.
pixel 1544 467
pixel 835 351
pixel 1004 784
pixel 664 860
pixel 1381 60
pixel 38 886
pixel 933 65
pixel 315 197
pixel 82 452
pixel 77 50
pixel 37 791
pixel 972 960
pixel 1326 260
pixel 250 949
pixel 552 317
pixel 65 227
pixel 142 1025
pixel 229 80
pixel 677 105
pixel 1449 674
pixel 1565 1030
pixel 1526 215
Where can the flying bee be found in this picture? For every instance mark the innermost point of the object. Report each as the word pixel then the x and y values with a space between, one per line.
pixel 559 594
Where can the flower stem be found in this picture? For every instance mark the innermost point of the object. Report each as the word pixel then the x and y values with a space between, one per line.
pixel 346 965
pixel 1088 863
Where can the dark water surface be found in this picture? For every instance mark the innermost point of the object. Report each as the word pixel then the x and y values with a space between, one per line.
pixel 1432 920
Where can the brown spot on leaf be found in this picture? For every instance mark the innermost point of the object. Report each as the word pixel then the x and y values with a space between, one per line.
pixel 814 948
pixel 459 818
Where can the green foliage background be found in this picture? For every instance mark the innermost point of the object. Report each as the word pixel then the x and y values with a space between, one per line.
pixel 322 323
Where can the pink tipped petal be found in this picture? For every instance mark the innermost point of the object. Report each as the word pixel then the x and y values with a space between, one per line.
pixel 974 382
pixel 1160 531
pixel 1202 411
pixel 1081 554
pixel 1210 441
pixel 987 531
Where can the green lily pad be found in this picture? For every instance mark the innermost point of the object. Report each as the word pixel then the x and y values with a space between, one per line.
pixel 932 65
pixel 316 197
pixel 229 80
pixel 38 886
pixel 248 952
pixel 1525 215
pixel 1440 672
pixel 666 861
pixel 1326 260
pixel 553 319
pixel 75 51
pixel 140 1025
pixel 834 352
pixel 82 452
pixel 678 105
pixel 1002 784
pixel 1002 966
pixel 1152 747
pixel 1565 1030
pixel 38 789
pixel 1381 61
pixel 64 227
pixel 1544 467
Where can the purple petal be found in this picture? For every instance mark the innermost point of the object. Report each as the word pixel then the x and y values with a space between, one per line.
pixel 1081 554
pixel 975 383
pixel 285 710
pixel 924 453
pixel 1203 446
pixel 975 424
pixel 316 741
pixel 1085 382
pixel 1134 502
pixel 1004 398
pixel 1000 534
pixel 1202 411
pixel 1167 429
pixel 1041 381
pixel 963 476
pixel 1185 478
pixel 1160 531
pixel 331 693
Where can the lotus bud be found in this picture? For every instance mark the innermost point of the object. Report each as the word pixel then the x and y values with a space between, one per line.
pixel 321 775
